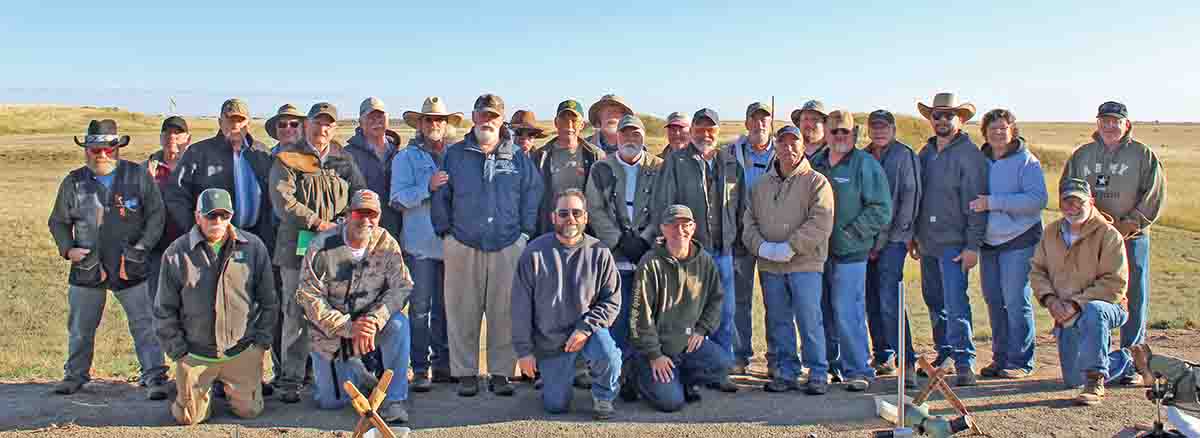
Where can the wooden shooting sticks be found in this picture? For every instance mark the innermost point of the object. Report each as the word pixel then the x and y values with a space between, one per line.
pixel 367 408
pixel 937 382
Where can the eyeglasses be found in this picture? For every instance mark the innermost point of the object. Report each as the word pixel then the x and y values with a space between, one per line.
pixel 363 214
pixel 564 213
pixel 106 151
pixel 288 124
pixel 943 115
pixel 840 131
pixel 218 215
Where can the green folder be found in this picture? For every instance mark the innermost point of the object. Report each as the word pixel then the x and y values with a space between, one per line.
pixel 302 239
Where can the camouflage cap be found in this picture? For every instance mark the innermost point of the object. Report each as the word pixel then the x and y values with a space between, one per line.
pixel 365 200
pixel 322 108
pixel 756 107
pixel 235 107
pixel 677 119
pixel 1112 109
pixel 630 120
pixel 812 105
pixel 706 113
pixel 570 105
pixel 211 200
pixel 370 104
pixel 677 211
pixel 490 103
pixel 1075 187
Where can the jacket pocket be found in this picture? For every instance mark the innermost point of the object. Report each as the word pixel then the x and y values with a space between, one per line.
pixel 137 264
pixel 89 272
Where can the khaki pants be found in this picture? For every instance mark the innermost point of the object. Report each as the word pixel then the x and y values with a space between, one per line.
pixel 242 377
pixel 479 282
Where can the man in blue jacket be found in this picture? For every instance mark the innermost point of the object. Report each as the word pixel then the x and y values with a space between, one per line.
pixel 486 212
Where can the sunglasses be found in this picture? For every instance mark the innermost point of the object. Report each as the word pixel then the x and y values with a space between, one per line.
pixel 105 150
pixel 943 115
pixel 215 215
pixel 288 124
pixel 564 213
pixel 363 214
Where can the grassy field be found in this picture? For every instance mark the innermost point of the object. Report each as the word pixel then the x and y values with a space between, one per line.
pixel 35 157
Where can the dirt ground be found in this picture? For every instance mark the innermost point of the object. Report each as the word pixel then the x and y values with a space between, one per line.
pixel 1036 407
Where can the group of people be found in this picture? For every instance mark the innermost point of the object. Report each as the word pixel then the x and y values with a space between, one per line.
pixel 597 264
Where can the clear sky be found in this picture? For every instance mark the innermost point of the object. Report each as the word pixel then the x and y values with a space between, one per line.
pixel 1044 60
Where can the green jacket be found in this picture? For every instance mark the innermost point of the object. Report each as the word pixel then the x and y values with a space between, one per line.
pixel 862 203
pixel 306 191
pixel 682 182
pixel 121 223
pixel 1129 184
pixel 215 305
pixel 672 300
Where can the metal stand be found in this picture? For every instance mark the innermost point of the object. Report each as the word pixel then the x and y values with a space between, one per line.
pixel 900 431
pixel 1158 392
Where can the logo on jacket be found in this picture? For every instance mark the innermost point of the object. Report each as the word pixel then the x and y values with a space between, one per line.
pixel 841 179
pixel 1102 182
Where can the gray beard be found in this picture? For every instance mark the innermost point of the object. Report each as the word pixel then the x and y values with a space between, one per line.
pixel 486 137
pixel 570 231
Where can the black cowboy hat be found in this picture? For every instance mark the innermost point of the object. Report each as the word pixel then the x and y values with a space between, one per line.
pixel 102 133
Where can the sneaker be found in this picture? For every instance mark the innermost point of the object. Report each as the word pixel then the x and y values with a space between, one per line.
pixel 289 395
pixel 771 371
pixel 1013 374
pixel 629 392
pixel 724 385
pixel 1093 390
pixel 781 384
pixel 1141 361
pixel 421 383
pixel 991 371
pixel 394 412
pixel 583 378
pixel 602 409
pixel 739 369
pixel 691 394
pixel 158 389
pixel 443 376
pixel 468 386
pixel 816 387
pixel 68 386
pixel 857 384
pixel 884 368
pixel 836 377
pixel 500 386
pixel 966 378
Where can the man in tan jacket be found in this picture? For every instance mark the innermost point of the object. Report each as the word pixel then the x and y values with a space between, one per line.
pixel 1079 274
pixel 792 245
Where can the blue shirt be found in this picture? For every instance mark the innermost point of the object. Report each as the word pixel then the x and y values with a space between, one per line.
pixel 249 194
pixel 757 163
pixel 106 180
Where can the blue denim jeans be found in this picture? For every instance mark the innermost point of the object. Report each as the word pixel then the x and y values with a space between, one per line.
pixel 794 299
pixel 705 365
pixel 1005 277
pixel 944 288
pixel 743 283
pixel 885 286
pixel 726 334
pixel 427 313
pixel 558 372
pixel 328 375
pixel 844 309
pixel 620 327
pixel 85 308
pixel 1083 347
pixel 1137 253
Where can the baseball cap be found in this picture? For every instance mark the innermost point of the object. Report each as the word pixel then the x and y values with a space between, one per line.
pixel 370 104
pixel 174 122
pixel 214 199
pixel 631 120
pixel 706 113
pixel 788 130
pixel 490 103
pixel 235 107
pixel 1113 109
pixel 756 107
pixel 570 105
pixel 320 108
pixel 677 119
pixel 365 200
pixel 881 115
pixel 1075 187
pixel 677 211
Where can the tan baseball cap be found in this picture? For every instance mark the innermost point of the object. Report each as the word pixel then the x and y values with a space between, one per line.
pixel 365 200
pixel 235 107
pixel 320 108
pixel 757 107
pixel 490 103
pixel 370 104
pixel 840 119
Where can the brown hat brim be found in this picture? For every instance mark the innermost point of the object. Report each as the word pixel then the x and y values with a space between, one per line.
pixel 965 111
pixel 594 111
pixel 413 118
pixel 798 111
pixel 271 122
pixel 117 143
pixel 537 132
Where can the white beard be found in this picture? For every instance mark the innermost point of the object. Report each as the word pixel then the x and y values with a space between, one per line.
pixel 486 137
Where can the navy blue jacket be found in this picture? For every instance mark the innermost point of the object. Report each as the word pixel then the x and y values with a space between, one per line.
pixel 487 212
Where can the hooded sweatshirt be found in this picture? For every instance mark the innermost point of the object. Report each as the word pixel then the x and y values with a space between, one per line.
pixel 951 179
pixel 672 300
pixel 1016 197
pixel 1129 183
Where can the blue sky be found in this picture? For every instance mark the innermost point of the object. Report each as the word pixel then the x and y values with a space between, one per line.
pixel 1048 60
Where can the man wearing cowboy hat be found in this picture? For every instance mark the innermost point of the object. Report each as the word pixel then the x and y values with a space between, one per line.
pixel 525 130
pixel 565 160
pixel 954 172
pixel 286 126
pixel 373 146
pixel 311 184
pixel 707 179
pixel 485 211
pixel 106 217
pixel 810 118
pixel 1130 186
pixel 604 116
pixel 677 133
pixel 416 176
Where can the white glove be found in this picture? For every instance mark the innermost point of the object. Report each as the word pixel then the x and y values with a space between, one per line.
pixel 779 252
pixel 785 252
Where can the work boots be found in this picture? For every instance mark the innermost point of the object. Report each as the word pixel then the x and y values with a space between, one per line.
pixel 1093 390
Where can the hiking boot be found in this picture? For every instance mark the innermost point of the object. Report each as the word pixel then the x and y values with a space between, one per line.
pixel 443 376
pixel 724 384
pixel 158 389
pixel 816 387
pixel 394 412
pixel 268 389
pixel 602 409
pixel 1131 380
pixel 884 368
pixel 468 386
pixel 691 394
pixel 1093 390
pixel 781 384
pixel 68 386
pixel 836 377
pixel 991 371
pixel 910 376
pixel 1141 361
pixel 500 386
pixel 420 383
pixel 771 371
pixel 938 362
pixel 966 378
pixel 1014 374
pixel 289 395
pixel 858 384
pixel 739 369
pixel 629 392
pixel 583 378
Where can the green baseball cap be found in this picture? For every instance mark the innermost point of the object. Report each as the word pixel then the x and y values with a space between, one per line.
pixel 630 120
pixel 1075 187
pixel 320 108
pixel 214 199
pixel 571 105
pixel 677 211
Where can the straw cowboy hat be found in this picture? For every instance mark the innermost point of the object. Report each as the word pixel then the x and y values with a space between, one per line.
pixel 102 133
pixel 287 110
pixel 524 120
pixel 605 100
pixel 947 101
pixel 433 106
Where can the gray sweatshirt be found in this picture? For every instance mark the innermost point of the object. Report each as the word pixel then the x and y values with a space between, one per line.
pixel 559 289
pixel 903 172
pixel 951 179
